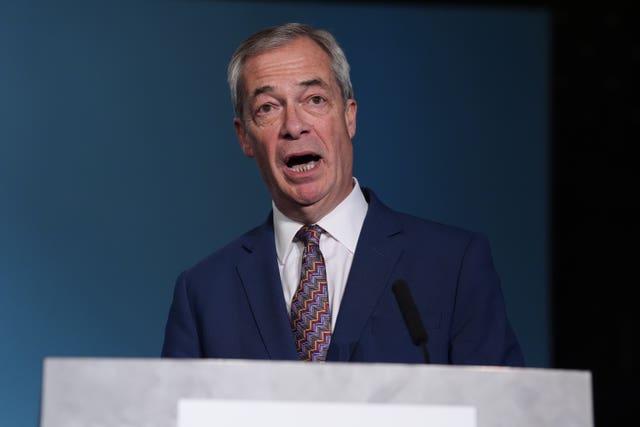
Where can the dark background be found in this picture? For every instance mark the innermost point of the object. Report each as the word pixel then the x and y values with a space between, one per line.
pixel 595 123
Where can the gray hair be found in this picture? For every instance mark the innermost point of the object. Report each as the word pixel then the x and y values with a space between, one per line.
pixel 275 37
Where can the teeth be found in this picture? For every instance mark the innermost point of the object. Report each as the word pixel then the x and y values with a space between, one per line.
pixel 306 167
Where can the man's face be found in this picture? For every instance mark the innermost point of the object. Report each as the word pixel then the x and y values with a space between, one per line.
pixel 298 128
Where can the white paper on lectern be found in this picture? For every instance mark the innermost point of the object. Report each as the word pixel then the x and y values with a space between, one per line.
pixel 241 413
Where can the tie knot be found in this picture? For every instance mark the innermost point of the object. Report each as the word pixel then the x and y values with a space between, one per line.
pixel 310 234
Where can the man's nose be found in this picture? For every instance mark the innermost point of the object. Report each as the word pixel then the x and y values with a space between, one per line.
pixel 294 124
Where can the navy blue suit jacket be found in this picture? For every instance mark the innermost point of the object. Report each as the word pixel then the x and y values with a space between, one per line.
pixel 231 304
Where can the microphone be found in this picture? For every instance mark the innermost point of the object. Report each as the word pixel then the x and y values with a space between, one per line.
pixel 411 316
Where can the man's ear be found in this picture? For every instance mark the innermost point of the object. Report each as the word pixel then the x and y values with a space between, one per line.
pixel 350 111
pixel 243 138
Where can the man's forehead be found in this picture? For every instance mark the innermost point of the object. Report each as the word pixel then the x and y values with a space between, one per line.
pixel 302 84
pixel 301 59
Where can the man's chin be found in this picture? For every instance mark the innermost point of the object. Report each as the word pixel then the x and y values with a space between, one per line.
pixel 306 193
pixel 302 206
pixel 307 201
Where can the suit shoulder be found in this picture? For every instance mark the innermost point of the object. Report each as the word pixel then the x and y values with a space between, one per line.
pixel 224 259
pixel 426 228
pixel 417 228
pixel 418 232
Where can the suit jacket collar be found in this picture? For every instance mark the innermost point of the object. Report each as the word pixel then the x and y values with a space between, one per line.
pixel 376 254
pixel 258 271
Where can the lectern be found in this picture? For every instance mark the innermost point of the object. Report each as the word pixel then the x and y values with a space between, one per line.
pixel 196 393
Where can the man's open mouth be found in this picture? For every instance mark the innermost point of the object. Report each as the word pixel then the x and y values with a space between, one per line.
pixel 303 163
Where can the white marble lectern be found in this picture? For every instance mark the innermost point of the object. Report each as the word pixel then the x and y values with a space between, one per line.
pixel 146 392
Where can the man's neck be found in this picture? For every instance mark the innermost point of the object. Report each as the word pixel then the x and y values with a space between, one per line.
pixel 313 213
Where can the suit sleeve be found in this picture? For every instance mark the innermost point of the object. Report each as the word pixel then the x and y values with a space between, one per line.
pixel 481 333
pixel 181 336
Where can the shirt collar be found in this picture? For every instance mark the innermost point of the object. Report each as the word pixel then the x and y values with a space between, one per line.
pixel 343 223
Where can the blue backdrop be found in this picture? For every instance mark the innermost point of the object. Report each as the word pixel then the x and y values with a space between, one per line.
pixel 119 166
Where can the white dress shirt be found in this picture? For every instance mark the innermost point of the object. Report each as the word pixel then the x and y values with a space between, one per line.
pixel 338 244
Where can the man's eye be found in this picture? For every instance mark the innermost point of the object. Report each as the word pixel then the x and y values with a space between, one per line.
pixel 265 108
pixel 317 100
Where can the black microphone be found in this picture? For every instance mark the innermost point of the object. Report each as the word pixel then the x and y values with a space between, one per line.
pixel 411 316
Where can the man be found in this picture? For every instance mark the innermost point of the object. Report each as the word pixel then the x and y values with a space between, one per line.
pixel 314 281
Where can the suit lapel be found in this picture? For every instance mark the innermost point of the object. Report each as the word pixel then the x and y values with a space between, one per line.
pixel 376 255
pixel 259 274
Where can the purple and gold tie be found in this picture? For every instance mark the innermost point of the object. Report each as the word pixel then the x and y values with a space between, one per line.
pixel 310 311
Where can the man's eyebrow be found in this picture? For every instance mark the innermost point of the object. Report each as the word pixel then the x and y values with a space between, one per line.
pixel 306 83
pixel 261 90
pixel 314 82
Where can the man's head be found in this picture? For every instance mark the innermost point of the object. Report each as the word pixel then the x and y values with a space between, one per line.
pixel 295 114
pixel 274 37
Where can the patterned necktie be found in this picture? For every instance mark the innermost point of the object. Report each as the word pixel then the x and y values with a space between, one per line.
pixel 310 311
